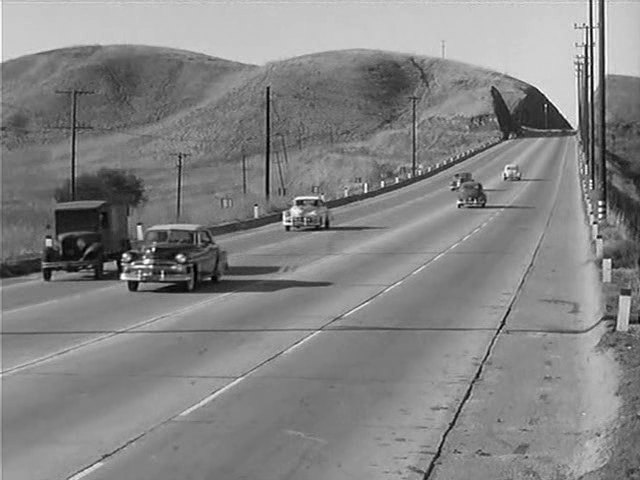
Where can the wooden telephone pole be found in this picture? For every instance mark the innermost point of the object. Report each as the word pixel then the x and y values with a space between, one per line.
pixel 74 127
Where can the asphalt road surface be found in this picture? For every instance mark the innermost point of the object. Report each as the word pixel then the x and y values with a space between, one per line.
pixel 322 355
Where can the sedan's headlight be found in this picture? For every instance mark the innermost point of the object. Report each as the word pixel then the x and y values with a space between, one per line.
pixel 181 258
pixel 312 213
pixel 126 257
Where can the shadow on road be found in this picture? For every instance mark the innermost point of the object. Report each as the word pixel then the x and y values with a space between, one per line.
pixel 495 190
pixel 347 228
pixel 252 270
pixel 87 276
pixel 229 286
pixel 526 207
pixel 534 180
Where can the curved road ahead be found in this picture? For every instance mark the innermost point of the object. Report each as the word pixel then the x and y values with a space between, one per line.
pixel 323 355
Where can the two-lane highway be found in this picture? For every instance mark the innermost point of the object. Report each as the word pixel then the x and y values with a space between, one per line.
pixel 324 355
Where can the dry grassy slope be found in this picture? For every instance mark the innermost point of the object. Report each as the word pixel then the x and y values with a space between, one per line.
pixel 623 131
pixel 343 114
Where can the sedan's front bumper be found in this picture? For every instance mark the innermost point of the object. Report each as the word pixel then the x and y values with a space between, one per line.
pixel 156 273
pixel 302 221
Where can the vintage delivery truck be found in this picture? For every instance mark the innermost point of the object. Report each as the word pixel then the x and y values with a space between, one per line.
pixel 87 233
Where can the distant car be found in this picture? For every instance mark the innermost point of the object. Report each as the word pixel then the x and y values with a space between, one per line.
pixel 175 253
pixel 511 172
pixel 307 211
pixel 471 194
pixel 459 179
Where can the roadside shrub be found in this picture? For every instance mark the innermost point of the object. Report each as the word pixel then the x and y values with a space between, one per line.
pixel 623 253
pixel 112 184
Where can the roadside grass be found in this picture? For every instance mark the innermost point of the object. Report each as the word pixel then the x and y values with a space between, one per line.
pixel 624 460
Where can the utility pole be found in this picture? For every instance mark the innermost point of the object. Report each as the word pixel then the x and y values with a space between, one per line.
pixel 179 164
pixel 588 128
pixel 413 136
pixel 442 47
pixel 267 160
pixel 603 95
pixel 74 127
pixel 591 87
pixel 244 173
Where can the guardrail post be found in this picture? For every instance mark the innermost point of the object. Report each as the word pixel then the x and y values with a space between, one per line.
pixel 599 246
pixel 256 210
pixel 139 232
pixel 365 187
pixel 624 310
pixel 606 270
pixel 601 210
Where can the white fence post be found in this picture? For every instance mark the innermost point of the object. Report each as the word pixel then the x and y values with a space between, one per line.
pixel 624 310
pixel 606 270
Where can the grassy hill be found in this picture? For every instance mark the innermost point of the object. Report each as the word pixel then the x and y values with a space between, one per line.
pixel 335 116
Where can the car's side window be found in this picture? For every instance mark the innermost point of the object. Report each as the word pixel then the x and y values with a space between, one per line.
pixel 205 238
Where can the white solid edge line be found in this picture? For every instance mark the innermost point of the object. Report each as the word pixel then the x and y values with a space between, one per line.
pixel 87 471
pixel 300 343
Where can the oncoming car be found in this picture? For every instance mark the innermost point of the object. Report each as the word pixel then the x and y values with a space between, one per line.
pixel 471 194
pixel 511 172
pixel 175 253
pixel 307 211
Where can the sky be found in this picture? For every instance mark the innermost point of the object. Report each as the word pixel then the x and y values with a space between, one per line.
pixel 532 40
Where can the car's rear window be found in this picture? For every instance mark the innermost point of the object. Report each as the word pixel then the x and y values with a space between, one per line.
pixel 169 236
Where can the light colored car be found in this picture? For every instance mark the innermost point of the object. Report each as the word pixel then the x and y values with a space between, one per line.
pixel 511 172
pixel 471 194
pixel 307 211
pixel 179 253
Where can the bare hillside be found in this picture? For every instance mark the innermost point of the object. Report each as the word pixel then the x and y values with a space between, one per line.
pixel 339 115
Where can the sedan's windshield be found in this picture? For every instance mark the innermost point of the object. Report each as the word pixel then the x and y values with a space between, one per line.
pixel 169 236
pixel 306 202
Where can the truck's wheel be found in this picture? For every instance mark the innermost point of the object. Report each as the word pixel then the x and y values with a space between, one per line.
pixel 327 223
pixel 46 274
pixel 98 270
pixel 132 285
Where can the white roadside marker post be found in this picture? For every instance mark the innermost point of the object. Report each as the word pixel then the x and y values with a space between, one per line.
pixel 139 232
pixel 346 192
pixel 599 246
pixel 594 230
pixel 256 210
pixel 365 187
pixel 397 179
pixel 381 183
pixel 624 309
pixel 606 270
